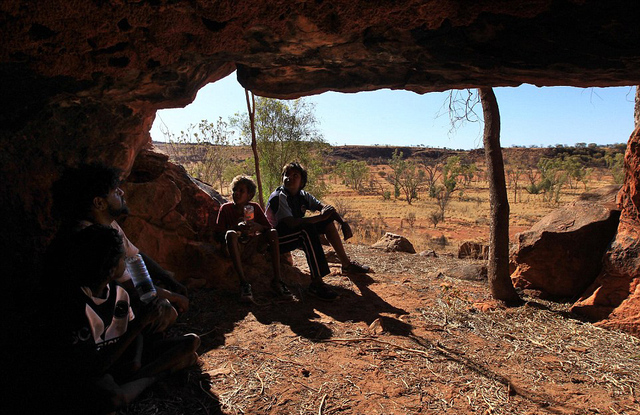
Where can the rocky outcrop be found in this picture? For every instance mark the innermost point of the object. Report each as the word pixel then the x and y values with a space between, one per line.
pixel 392 242
pixel 172 220
pixel 473 250
pixel 561 255
pixel 615 295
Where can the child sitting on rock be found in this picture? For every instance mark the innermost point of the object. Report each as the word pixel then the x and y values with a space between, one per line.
pixel 246 231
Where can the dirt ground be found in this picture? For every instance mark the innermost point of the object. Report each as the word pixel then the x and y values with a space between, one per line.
pixel 397 341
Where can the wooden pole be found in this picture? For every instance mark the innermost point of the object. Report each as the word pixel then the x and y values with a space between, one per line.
pixel 251 108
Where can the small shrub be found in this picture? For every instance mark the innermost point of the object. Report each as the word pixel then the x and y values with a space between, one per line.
pixel 440 241
pixel 410 218
pixel 435 217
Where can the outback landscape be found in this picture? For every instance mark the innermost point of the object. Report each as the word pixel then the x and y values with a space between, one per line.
pixel 408 338
pixel 84 84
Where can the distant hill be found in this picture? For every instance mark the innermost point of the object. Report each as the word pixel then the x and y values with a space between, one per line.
pixel 592 155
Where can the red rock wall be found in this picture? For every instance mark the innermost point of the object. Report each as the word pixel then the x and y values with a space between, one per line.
pixel 615 295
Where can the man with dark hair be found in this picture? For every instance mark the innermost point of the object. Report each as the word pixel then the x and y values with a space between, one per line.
pixel 286 212
pixel 90 194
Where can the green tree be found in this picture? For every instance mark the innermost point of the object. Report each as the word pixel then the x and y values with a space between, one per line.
pixel 553 177
pixel 285 131
pixel 203 149
pixel 615 164
pixel 354 173
pixel 432 172
pixel 450 173
pixel 406 176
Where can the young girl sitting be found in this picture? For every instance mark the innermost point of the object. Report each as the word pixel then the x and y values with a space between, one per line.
pixel 248 230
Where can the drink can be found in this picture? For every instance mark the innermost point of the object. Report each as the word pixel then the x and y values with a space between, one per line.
pixel 248 212
pixel 141 278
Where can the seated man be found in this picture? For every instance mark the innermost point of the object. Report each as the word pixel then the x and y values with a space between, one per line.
pixel 90 194
pixel 286 212
pixel 244 235
pixel 103 362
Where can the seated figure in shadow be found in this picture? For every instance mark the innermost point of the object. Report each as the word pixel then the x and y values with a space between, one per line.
pixel 100 359
pixel 286 211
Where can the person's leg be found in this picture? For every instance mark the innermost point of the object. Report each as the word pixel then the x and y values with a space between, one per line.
pixel 170 355
pixel 333 237
pixel 307 239
pixel 274 250
pixel 233 246
pixel 108 396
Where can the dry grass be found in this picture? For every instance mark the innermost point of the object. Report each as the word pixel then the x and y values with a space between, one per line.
pixel 402 342
pixel 467 216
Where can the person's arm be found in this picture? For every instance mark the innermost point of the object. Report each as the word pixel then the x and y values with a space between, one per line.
pixel 181 302
pixel 293 222
pixel 107 356
pixel 160 274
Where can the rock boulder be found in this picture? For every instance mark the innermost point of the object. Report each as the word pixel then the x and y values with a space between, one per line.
pixel 473 250
pixel 561 255
pixel 392 242
pixel 615 294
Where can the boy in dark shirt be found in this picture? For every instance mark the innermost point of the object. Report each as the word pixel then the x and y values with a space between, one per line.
pixel 286 212
pixel 247 230
pixel 101 359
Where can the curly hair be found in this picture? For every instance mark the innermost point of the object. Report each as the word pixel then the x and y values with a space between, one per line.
pixel 93 254
pixel 297 166
pixel 247 181
pixel 74 192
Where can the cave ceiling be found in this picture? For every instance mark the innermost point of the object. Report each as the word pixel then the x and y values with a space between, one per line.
pixel 152 54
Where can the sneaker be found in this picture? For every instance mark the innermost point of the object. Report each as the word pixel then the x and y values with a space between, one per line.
pixel 246 296
pixel 281 289
pixel 356 268
pixel 322 292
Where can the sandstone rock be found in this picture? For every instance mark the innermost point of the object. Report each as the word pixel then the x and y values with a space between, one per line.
pixel 392 242
pixel 473 250
pixel 561 255
pixel 171 219
pixel 471 272
pixel 615 295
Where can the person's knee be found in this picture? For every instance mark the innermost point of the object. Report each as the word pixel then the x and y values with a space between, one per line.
pixel 231 235
pixel 192 342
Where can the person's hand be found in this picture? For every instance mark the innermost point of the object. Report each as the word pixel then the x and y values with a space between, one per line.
pixel 168 316
pixel 150 313
pixel 180 302
pixel 180 289
pixel 327 211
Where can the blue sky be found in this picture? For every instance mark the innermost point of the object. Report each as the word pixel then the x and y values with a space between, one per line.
pixel 530 116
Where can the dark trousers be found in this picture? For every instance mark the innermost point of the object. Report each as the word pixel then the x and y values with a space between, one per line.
pixel 305 237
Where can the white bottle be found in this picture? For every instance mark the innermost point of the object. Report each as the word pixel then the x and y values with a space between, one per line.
pixel 141 279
